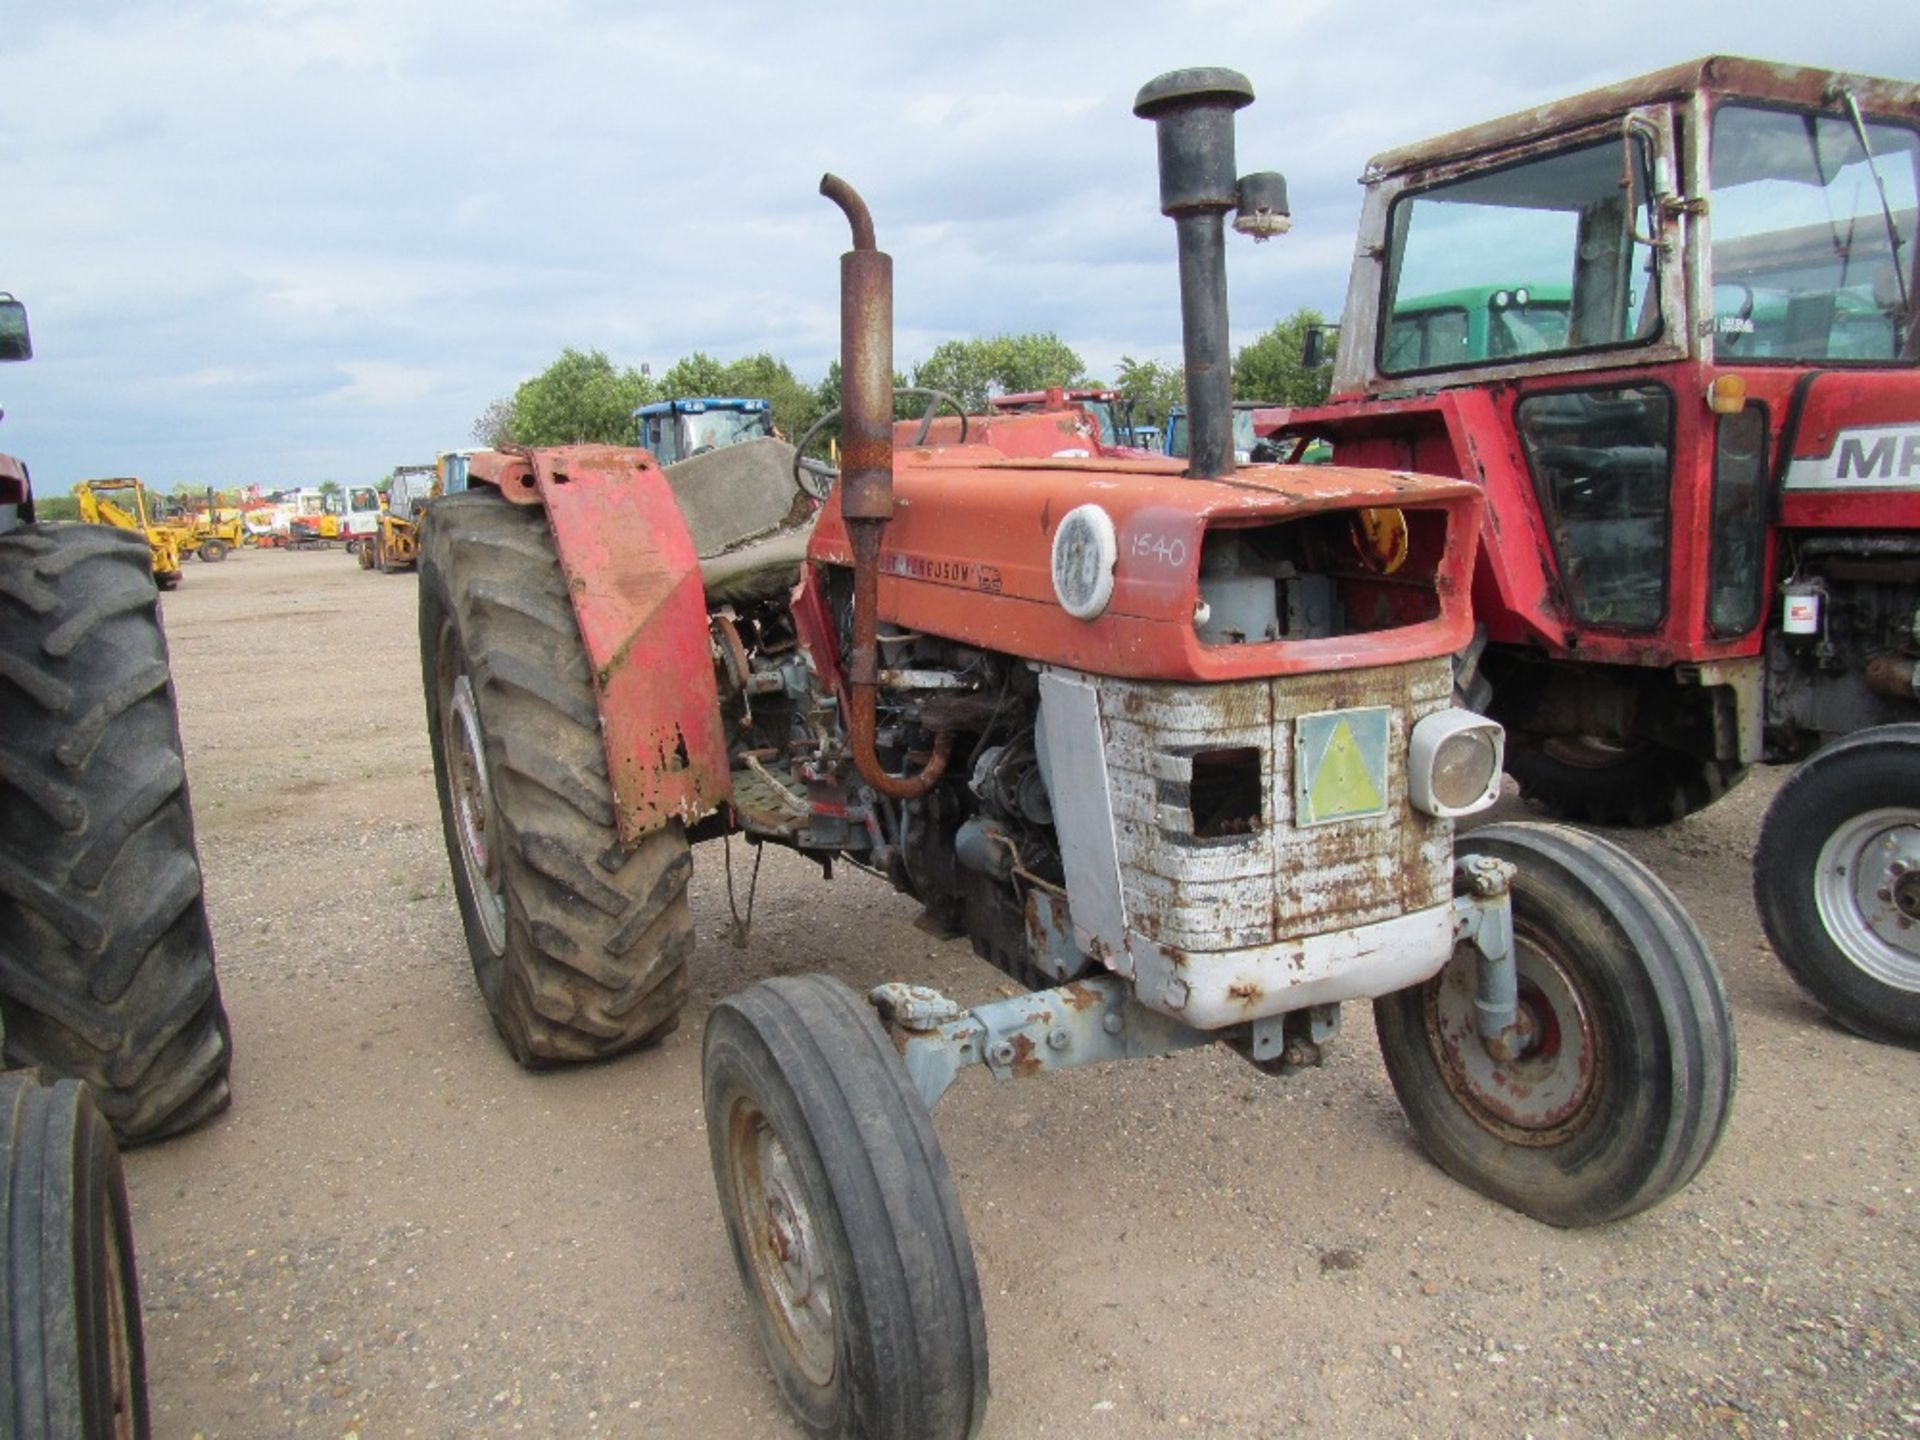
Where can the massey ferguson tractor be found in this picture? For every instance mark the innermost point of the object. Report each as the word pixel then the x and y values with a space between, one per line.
pixel 1668 329
pixel 1174 746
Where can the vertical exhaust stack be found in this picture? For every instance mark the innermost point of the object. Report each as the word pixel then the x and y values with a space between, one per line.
pixel 1192 111
pixel 866 478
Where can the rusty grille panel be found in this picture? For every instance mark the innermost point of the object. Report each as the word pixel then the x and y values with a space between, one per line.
pixel 1278 882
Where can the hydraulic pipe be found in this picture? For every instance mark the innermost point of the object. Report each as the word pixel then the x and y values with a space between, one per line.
pixel 866 479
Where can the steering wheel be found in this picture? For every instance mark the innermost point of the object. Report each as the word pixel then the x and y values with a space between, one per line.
pixel 816 477
pixel 1731 338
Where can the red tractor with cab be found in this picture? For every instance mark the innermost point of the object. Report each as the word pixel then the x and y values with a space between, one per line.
pixel 1669 329
pixel 1173 745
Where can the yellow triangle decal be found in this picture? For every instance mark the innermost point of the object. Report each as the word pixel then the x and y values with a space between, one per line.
pixel 1343 786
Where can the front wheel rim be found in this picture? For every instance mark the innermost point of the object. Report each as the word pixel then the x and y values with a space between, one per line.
pixel 784 1242
pixel 475 822
pixel 1547 1092
pixel 1866 888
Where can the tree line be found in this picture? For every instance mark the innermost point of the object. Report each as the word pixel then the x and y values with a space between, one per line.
pixel 584 398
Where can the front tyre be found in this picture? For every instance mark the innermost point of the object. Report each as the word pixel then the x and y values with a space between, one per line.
pixel 1836 878
pixel 1623 1082
pixel 75 1366
pixel 842 1215
pixel 578 943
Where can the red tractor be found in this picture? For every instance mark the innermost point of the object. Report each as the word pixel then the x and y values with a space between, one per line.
pixel 1668 328
pixel 1173 745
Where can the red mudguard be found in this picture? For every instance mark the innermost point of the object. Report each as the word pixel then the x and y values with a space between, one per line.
pixel 635 584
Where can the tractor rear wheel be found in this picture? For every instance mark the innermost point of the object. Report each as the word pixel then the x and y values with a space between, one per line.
pixel 1622 1080
pixel 579 944
pixel 1836 878
pixel 106 963
pixel 213 551
pixel 842 1215
pixel 1597 782
pixel 75 1367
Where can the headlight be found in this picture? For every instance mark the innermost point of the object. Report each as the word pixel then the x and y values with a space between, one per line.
pixel 1453 763
pixel 1085 548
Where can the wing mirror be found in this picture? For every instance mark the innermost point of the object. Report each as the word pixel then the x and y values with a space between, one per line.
pixel 15 342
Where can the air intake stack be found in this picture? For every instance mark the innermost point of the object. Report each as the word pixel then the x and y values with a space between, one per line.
pixel 1192 111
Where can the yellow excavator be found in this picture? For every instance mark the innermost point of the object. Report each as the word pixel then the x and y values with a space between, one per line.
pixel 122 503
pixel 211 533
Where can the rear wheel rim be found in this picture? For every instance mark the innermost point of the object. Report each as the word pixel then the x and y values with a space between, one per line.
pixel 1866 888
pixel 475 821
pixel 784 1242
pixel 120 1375
pixel 1549 1090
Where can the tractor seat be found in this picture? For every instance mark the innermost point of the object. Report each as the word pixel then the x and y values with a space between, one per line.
pixel 750 522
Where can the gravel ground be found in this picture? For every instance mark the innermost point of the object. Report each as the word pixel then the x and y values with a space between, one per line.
pixel 396 1232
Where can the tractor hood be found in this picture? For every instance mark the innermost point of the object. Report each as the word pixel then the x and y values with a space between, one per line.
pixel 1343 568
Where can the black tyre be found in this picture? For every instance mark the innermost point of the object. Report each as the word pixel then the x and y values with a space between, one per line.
pixel 1623 1084
pixel 1836 878
pixel 75 1365
pixel 167 580
pixel 213 551
pixel 1596 782
pixel 365 556
pixel 106 963
pixel 580 945
pixel 843 1217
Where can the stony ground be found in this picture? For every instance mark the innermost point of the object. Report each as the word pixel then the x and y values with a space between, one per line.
pixel 396 1232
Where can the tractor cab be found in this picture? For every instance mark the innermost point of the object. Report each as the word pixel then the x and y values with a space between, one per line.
pixel 1111 410
pixel 677 429
pixel 1664 311
pixel 16 501
pixel 1244 434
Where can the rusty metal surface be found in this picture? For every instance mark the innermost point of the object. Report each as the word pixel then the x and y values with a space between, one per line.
pixel 1725 75
pixel 1219 931
pixel 635 585
pixel 1281 880
pixel 1087 1022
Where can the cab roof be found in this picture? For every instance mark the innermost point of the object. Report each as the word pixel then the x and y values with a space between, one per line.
pixel 1726 75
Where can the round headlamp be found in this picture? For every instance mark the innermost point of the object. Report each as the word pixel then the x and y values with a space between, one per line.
pixel 1085 548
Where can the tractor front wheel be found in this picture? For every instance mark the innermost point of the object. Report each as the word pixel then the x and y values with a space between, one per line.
pixel 75 1367
pixel 1619 1082
pixel 579 944
pixel 212 551
pixel 1836 879
pixel 842 1216
pixel 106 966
pixel 1597 782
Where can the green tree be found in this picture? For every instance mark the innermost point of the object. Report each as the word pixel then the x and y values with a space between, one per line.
pixel 762 377
pixel 971 370
pixel 56 507
pixel 494 427
pixel 328 487
pixel 693 376
pixel 580 398
pixel 1270 369
pixel 1153 388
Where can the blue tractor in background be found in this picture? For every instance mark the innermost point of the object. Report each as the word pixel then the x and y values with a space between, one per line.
pixel 676 429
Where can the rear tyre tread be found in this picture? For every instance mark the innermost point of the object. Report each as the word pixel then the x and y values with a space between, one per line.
pixel 107 964
pixel 595 957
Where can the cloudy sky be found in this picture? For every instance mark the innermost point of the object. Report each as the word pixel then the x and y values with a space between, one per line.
pixel 284 241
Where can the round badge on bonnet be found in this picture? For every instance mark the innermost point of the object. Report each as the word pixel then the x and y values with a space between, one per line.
pixel 1084 550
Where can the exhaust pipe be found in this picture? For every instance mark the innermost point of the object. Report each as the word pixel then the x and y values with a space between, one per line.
pixel 1192 112
pixel 866 479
